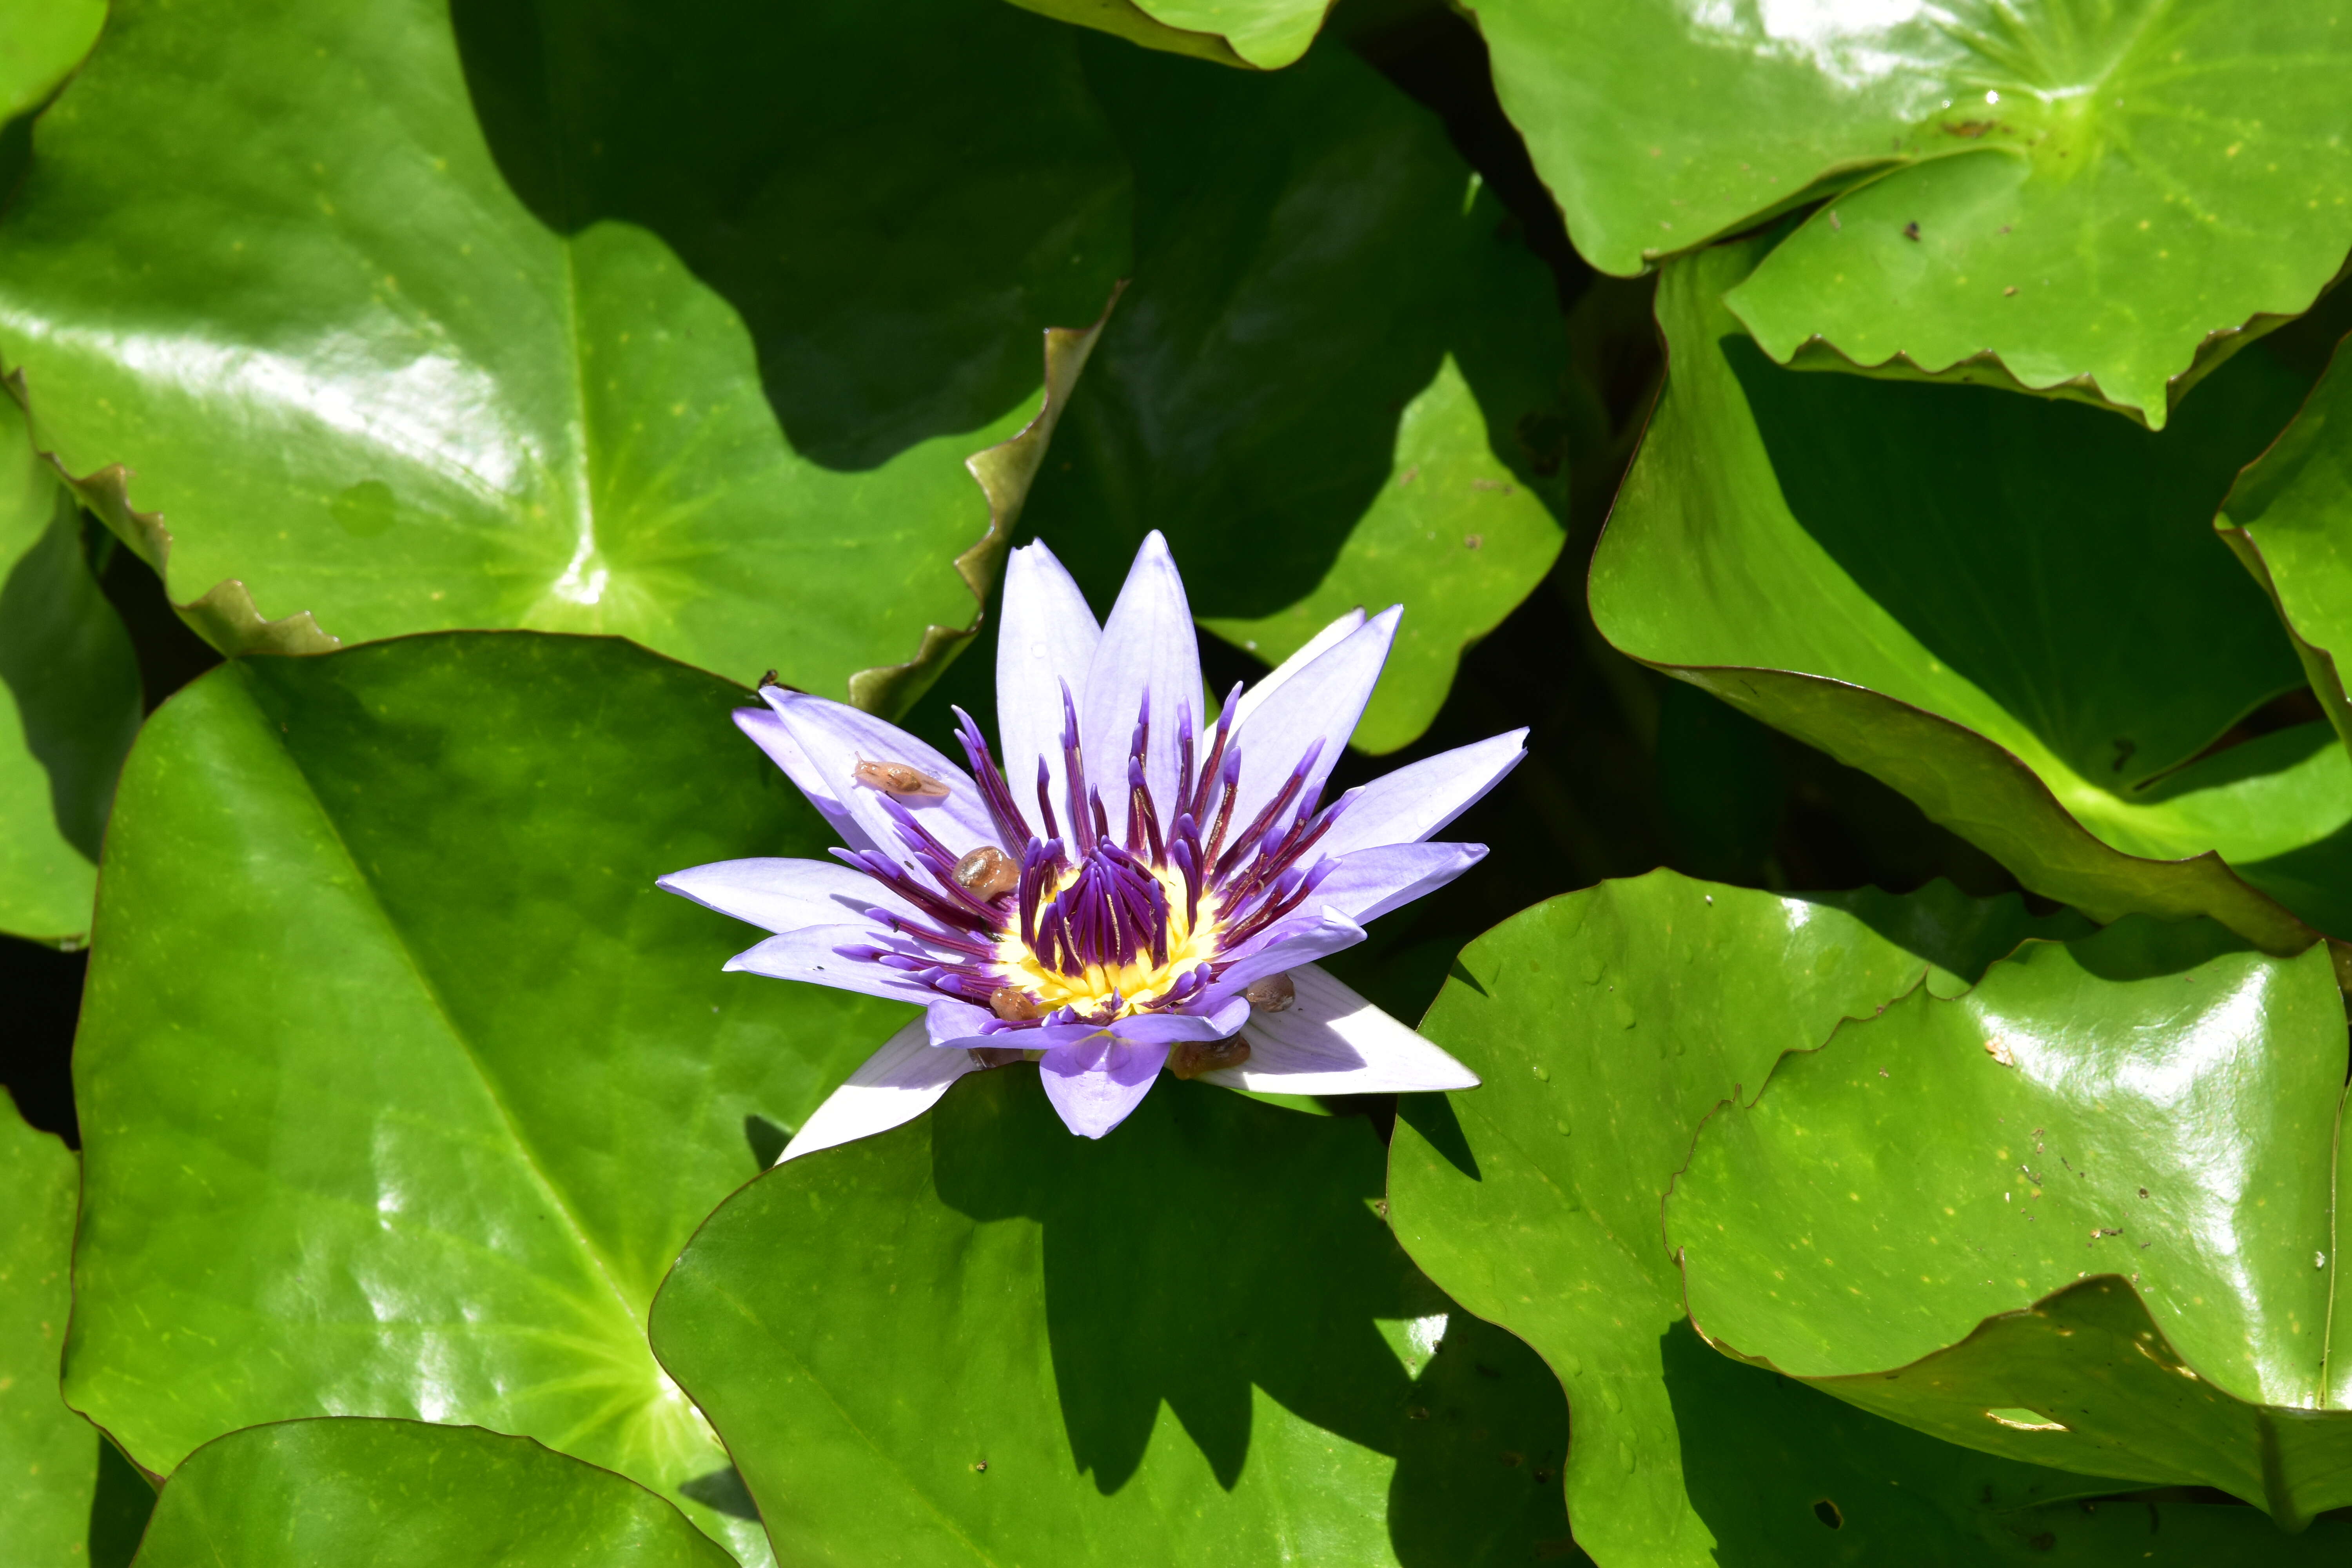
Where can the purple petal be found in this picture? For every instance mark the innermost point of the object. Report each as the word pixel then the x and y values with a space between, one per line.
pixel 1315 648
pixel 1320 703
pixel 1047 638
pixel 898 1083
pixel 1301 939
pixel 1370 882
pixel 835 737
pixel 1332 1041
pixel 1095 1083
pixel 783 895
pixel 768 732
pixel 1148 646
pixel 1174 1028
pixel 808 954
pixel 1412 802
pixel 954 1023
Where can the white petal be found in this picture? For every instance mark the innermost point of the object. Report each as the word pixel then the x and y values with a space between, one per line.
pixel 835 738
pixel 898 1083
pixel 1315 648
pixel 768 732
pixel 1370 882
pixel 1047 638
pixel 1292 942
pixel 1148 645
pixel 808 954
pixel 1332 1041
pixel 784 895
pixel 1412 802
pixel 1321 702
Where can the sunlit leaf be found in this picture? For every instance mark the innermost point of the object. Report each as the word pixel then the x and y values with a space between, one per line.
pixel 399 1083
pixel 1263 35
pixel 680 323
pixel 40 41
pixel 2088 198
pixel 2083 1215
pixel 977 1338
pixel 2013 611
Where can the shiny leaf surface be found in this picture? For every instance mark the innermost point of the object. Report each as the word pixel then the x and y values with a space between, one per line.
pixel 2028 649
pixel 585 319
pixel 1336 380
pixel 70 700
pixel 1192 1342
pixel 67 1497
pixel 452 1081
pixel 401 1494
pixel 2155 1106
pixel 2056 194
pixel 1605 1025
pixel 1262 35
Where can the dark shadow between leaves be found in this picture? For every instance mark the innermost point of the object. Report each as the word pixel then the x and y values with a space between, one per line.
pixel 723 1491
pixel 2078 582
pixel 119 1507
pixel 1210 1246
pixel 895 201
pixel 68 667
pixel 1432 1116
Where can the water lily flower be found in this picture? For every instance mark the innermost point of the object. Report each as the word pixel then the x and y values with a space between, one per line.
pixel 1135 890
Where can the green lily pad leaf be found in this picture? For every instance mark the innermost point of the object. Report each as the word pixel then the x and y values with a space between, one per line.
pixel 1926 1199
pixel 683 326
pixel 1605 1024
pixel 1256 35
pixel 70 1494
pixel 976 1338
pixel 40 41
pixel 2094 202
pixel 2289 518
pixel 452 1082
pixel 402 1494
pixel 1334 382
pixel 2029 649
pixel 69 701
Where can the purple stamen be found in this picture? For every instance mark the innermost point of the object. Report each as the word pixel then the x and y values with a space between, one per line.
pixel 1010 823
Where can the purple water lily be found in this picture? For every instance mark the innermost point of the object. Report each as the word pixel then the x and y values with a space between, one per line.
pixel 1135 890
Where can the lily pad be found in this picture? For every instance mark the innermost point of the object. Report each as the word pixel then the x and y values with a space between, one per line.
pixel 69 701
pixel 70 1494
pixel 2097 202
pixel 2289 518
pixel 1337 380
pixel 1605 1024
pixel 715 326
pixel 2031 648
pixel 2083 1215
pixel 453 1081
pixel 1256 35
pixel 402 1494
pixel 40 41
pixel 976 1338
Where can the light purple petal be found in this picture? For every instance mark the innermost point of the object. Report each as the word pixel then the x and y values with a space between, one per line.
pixel 768 732
pixel 954 1023
pixel 809 955
pixel 1370 882
pixel 1315 648
pixel 1288 943
pixel 1320 703
pixel 1095 1083
pixel 783 895
pixel 1174 1028
pixel 1148 645
pixel 1332 1041
pixel 835 738
pixel 898 1083
pixel 1412 802
pixel 1047 638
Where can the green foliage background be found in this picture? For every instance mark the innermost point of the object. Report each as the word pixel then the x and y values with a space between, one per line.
pixel 1892 457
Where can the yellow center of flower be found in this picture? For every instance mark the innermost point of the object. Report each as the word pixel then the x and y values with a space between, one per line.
pixel 1139 983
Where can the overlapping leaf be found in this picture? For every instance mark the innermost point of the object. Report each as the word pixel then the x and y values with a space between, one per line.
pixel 1260 35
pixel 1337 380
pixel 976 1339
pixel 69 1495
pixel 1926 1200
pixel 402 1494
pixel 399 1083
pixel 40 41
pixel 674 323
pixel 2087 198
pixel 2013 611
pixel 69 701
